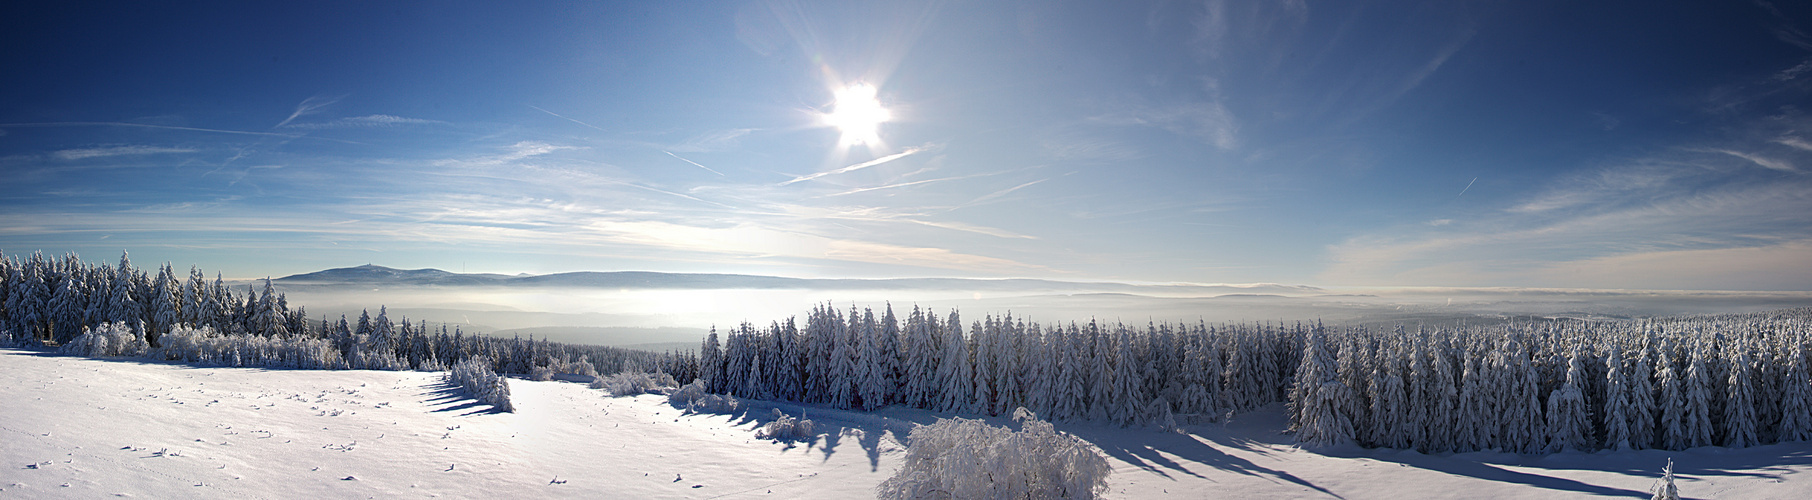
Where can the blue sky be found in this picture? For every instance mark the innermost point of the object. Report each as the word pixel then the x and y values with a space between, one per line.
pixel 1516 144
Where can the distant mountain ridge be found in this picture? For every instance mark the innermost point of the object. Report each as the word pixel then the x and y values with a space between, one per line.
pixel 379 275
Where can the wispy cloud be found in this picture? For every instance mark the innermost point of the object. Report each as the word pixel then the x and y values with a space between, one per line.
pixel 85 153
pixel 1208 120
pixel 308 106
pixel 1765 162
pixel 1596 230
pixel 870 163
pixel 1795 143
pixel 367 121
pixel 518 151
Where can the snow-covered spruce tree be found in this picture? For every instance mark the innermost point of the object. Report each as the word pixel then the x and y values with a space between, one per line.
pixel 1739 402
pixel 791 363
pixel 474 376
pixel 30 303
pixel 124 305
pixel 66 307
pixel 1796 396
pixel 954 377
pixel 1617 407
pixel 166 303
pixel 1040 377
pixel 1069 394
pixel 1641 400
pixel 892 358
pixel 845 374
pixel 269 320
pixel 1167 353
pixel 1671 427
pixel 1100 373
pixel 1194 400
pixel 821 340
pixel 1009 394
pixel 1390 400
pixel 1520 409
pixel 710 362
pixel 1355 371
pixel 961 458
pixel 1320 402
pixel 1569 421
pixel 1443 396
pixel 1698 398
pixel 1240 375
pixel 737 355
pixel 921 361
pixel 1126 399
pixel 1476 422
pixel 1418 394
pixel 983 335
pixel 874 377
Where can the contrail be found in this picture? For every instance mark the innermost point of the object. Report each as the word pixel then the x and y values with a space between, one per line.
pixel 142 125
pixel 1468 186
pixel 900 185
pixel 858 166
pixel 694 163
pixel 570 119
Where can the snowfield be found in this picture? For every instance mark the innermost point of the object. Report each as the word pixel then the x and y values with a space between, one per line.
pixel 84 428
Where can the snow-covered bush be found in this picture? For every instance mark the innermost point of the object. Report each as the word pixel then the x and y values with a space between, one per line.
pixel 1666 490
pixel 961 458
pixel 474 375
pixel 192 345
pixel 110 339
pixel 694 399
pixel 786 428
pixel 582 368
pixel 633 383
pixel 541 373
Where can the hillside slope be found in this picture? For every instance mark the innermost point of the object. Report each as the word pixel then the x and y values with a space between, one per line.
pixel 84 428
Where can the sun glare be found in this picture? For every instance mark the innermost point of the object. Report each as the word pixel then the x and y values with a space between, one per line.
pixel 858 115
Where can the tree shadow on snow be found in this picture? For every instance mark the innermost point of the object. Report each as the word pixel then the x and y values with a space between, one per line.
pixel 1142 447
pixel 1481 467
pixel 445 393
pixel 831 427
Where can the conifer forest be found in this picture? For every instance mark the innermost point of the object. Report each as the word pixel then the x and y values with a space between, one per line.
pixel 1531 387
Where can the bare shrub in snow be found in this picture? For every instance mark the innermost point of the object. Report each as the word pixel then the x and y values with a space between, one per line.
pixel 474 375
pixel 961 458
pixel 633 383
pixel 694 399
pixel 786 428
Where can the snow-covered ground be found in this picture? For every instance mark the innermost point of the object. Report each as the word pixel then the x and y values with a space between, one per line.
pixel 83 428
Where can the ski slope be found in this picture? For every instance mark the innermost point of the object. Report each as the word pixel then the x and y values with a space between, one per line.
pixel 84 428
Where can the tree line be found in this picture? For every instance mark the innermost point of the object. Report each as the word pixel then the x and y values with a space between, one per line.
pixel 58 301
pixel 1525 387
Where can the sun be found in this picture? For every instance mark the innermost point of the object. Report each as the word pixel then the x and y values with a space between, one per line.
pixel 858 115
